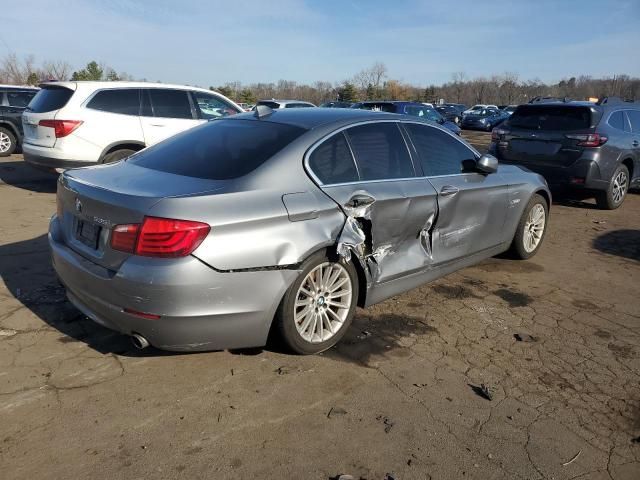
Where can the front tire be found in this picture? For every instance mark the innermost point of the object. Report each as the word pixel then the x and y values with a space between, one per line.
pixel 613 197
pixel 531 228
pixel 8 142
pixel 318 307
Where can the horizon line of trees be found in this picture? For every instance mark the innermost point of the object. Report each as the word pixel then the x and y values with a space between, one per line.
pixel 373 83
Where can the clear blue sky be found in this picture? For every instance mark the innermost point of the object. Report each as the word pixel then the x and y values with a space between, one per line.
pixel 213 42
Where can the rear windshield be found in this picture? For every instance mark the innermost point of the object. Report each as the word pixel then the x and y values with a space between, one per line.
pixel 49 99
pixel 559 118
pixel 219 150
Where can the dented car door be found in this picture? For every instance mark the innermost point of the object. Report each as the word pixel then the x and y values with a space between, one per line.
pixel 388 208
pixel 472 206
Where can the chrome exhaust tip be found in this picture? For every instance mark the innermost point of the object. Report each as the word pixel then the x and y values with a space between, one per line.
pixel 139 341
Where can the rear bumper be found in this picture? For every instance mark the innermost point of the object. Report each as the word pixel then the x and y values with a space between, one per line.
pixel 50 159
pixel 583 174
pixel 200 308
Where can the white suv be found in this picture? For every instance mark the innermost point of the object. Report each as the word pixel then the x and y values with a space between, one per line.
pixel 76 124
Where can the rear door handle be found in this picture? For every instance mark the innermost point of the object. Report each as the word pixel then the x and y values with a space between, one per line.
pixel 449 191
pixel 635 143
pixel 156 124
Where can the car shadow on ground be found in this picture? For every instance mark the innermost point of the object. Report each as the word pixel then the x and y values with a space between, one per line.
pixel 622 243
pixel 21 175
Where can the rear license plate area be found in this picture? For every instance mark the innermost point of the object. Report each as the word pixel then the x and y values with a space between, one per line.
pixel 532 147
pixel 87 233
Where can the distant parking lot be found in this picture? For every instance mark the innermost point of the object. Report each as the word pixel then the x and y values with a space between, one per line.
pixel 506 370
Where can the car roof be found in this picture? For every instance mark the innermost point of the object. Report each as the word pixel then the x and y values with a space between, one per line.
pixel 94 85
pixel 309 118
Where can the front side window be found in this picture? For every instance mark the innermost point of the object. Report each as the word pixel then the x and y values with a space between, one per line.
pixel 332 162
pixel 20 99
pixel 380 151
pixel 125 101
pixel 209 106
pixel 170 103
pixel 439 152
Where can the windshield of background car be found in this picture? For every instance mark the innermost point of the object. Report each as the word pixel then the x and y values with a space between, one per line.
pixel 210 106
pixel 423 112
pixel 269 104
pixel 559 118
pixel 219 150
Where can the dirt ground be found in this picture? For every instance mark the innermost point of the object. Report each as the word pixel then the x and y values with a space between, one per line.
pixel 401 395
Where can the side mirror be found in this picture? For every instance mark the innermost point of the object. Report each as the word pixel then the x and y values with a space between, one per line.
pixel 487 164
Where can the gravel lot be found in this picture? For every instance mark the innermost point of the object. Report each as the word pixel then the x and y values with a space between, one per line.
pixel 399 396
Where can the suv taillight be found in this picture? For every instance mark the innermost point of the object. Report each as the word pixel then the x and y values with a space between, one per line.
pixel 61 128
pixel 159 237
pixel 588 139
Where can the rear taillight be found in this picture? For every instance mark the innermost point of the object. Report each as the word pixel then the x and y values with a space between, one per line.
pixel 496 133
pixel 159 237
pixel 588 139
pixel 123 237
pixel 61 128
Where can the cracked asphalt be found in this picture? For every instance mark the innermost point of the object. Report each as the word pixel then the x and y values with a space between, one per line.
pixel 405 394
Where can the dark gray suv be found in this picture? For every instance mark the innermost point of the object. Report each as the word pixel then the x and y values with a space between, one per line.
pixel 13 101
pixel 586 148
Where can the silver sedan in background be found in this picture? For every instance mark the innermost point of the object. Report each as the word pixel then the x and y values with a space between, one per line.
pixel 283 220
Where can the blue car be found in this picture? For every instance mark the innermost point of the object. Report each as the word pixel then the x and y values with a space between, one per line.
pixel 415 109
pixel 483 119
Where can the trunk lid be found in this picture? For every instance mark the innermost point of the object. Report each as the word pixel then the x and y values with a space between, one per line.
pixel 96 199
pixel 45 106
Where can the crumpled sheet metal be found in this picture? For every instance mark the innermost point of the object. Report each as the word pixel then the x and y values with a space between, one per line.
pixel 425 236
pixel 351 239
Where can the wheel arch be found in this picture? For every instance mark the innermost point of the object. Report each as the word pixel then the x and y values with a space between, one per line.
pixel 134 145
pixel 9 126
pixel 628 162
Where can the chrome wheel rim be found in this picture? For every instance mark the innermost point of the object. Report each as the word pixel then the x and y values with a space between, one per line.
pixel 323 302
pixel 619 187
pixel 534 228
pixel 5 142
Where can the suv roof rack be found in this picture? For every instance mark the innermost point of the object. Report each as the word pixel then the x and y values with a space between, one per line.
pixel 541 99
pixel 614 101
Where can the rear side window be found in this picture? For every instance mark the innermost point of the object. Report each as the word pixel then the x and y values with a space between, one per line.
pixel 125 101
pixel 380 151
pixel 547 118
pixel 49 99
pixel 616 120
pixel 439 152
pixel 20 99
pixel 219 150
pixel 170 103
pixel 634 118
pixel 332 162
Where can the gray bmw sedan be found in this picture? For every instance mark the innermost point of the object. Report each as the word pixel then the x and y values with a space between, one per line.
pixel 282 220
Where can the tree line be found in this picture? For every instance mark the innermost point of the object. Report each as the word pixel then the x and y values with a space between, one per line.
pixel 373 83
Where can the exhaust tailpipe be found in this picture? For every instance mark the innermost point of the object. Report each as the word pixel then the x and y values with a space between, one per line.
pixel 139 341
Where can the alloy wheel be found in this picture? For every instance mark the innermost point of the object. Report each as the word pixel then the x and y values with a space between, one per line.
pixel 619 187
pixel 534 228
pixel 5 142
pixel 323 302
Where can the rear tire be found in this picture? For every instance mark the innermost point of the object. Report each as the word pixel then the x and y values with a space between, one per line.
pixel 117 155
pixel 8 142
pixel 613 197
pixel 318 307
pixel 531 228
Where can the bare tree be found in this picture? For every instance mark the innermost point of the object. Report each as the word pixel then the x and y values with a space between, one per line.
pixel 56 70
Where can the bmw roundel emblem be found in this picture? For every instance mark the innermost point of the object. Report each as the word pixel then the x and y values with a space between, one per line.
pixel 78 205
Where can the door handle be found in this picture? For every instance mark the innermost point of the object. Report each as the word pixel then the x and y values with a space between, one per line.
pixel 449 191
pixel 156 124
pixel 360 200
pixel 635 143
